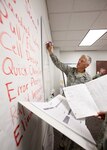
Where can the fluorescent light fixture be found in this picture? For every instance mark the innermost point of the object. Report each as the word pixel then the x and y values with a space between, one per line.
pixel 92 36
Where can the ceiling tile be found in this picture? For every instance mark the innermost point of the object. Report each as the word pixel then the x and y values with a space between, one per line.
pixel 70 20
pixel 106 7
pixel 104 47
pixel 59 21
pixel 66 43
pixel 82 20
pixel 59 35
pixel 101 21
pixel 89 5
pixel 100 42
pixel 59 6
pixel 68 48
pixel 76 35
pixel 104 36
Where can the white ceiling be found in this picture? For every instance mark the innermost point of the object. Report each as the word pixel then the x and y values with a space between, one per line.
pixel 70 20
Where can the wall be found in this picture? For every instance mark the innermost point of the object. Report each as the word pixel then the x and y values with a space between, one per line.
pixel 72 57
pixel 21 73
pixel 47 65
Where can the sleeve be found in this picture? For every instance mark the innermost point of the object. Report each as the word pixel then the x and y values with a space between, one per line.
pixel 96 76
pixel 63 67
pixel 88 77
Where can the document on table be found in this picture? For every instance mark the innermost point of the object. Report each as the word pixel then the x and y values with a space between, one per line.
pixel 59 109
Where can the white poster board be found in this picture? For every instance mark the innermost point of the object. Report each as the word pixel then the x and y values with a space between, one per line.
pixel 46 63
pixel 20 73
pixel 59 115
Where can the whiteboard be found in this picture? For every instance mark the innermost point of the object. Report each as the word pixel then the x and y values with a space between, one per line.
pixel 20 73
pixel 46 63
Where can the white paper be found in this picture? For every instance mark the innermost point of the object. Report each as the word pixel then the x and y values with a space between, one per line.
pixel 98 90
pixel 80 101
pixel 88 99
pixel 59 109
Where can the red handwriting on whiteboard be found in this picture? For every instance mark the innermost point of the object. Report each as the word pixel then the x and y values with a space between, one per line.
pixel 18 134
pixel 10 91
pixel 14 1
pixel 14 92
pixel 22 89
pixel 3 12
pixel 28 9
pixel 9 68
pixel 15 30
pixel 14 112
pixel 31 58
pixel 33 70
pixel 15 48
pixel 36 94
pixel 21 126
pixel 34 81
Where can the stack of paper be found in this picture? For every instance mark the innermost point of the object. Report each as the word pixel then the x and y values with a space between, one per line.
pixel 87 99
